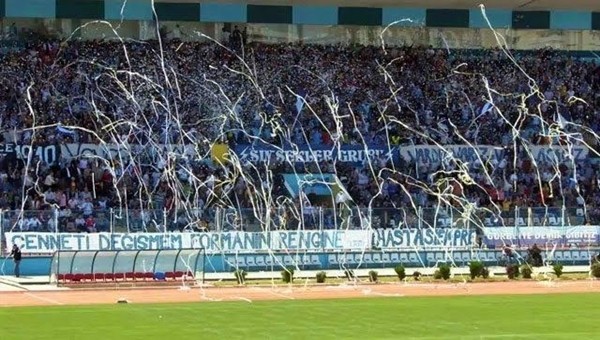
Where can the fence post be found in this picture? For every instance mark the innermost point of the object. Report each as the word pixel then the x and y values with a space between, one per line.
pixel 111 220
pixel 516 224
pixel 217 214
pixel 3 241
pixel 55 220
pixel 320 218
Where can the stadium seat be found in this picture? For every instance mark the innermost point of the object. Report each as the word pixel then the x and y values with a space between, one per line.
pixel 414 259
pixel 350 259
pixel 440 256
pixel 68 277
pixel 260 261
pixel 585 255
pixel 60 278
pixel 306 260
pixel 566 256
pixel 109 277
pixel 98 277
pixel 129 276
pixel 575 256
pixel 457 258
pixel 365 258
pixel 179 274
pixel 332 259
pixel 139 276
pixel 149 276
pixel 403 257
pixel 385 258
pixel 119 276
pixel 288 261
pixel 250 262
pixel 376 257
pixel 170 275
pixel 491 257
pixel 314 260
pixel 240 261
pixel 430 256
pixel 395 257
pixel 78 278
pixel 557 255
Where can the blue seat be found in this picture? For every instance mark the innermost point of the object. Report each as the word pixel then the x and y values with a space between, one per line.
pixel 494 256
pixel 466 256
pixel 365 258
pixel 415 259
pixel 239 261
pixel 457 258
pixel 289 261
pixel 557 256
pixel 430 256
pixel 575 255
pixel 566 255
pixel 440 256
pixel 585 255
pixel 385 258
pixel 376 257
pixel 403 257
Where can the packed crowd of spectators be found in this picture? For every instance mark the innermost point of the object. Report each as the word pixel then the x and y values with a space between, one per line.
pixel 201 93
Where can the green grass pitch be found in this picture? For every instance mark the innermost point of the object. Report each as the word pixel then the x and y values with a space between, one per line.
pixel 556 316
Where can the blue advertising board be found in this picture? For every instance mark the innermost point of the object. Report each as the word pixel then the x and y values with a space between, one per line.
pixel 226 263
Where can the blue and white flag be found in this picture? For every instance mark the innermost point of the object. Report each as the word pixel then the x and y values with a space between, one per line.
pixel 486 108
pixel 300 100
pixel 65 131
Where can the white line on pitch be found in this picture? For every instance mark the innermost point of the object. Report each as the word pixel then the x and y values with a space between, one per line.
pixel 41 298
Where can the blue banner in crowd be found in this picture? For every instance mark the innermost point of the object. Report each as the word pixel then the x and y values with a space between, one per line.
pixel 486 153
pixel 351 154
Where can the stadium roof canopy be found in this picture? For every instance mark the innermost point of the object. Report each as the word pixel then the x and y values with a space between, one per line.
pixel 523 5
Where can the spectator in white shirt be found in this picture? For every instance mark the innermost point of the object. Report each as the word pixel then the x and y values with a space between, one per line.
pixel 87 207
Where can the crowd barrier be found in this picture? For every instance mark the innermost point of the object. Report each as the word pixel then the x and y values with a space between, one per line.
pixel 227 219
pixel 219 263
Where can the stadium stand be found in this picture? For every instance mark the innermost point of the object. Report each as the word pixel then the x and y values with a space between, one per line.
pixel 68 186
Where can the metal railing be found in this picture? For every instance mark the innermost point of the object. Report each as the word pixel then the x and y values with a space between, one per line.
pixel 223 219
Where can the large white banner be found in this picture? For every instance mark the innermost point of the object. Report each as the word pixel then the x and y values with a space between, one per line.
pixel 212 242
